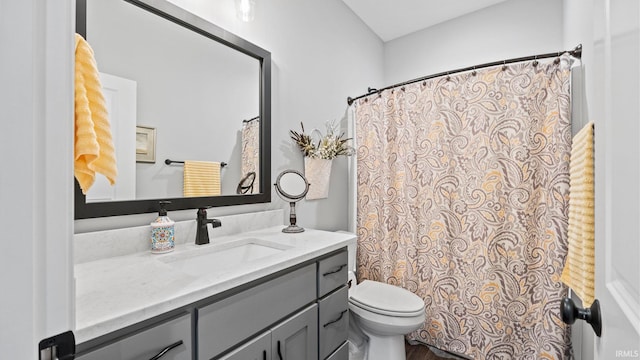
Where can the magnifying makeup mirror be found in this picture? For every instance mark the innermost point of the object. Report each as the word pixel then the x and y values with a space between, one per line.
pixel 292 186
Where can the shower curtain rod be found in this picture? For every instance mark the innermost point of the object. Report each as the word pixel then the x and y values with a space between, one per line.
pixel 577 53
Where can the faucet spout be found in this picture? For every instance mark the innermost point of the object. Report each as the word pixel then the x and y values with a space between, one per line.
pixel 202 232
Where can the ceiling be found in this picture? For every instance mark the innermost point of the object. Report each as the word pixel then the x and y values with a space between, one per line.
pixel 391 19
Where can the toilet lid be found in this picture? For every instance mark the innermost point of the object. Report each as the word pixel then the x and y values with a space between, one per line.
pixel 386 299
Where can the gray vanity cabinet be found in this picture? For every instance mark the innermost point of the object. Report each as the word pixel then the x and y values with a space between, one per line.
pixel 341 354
pixel 297 337
pixel 256 349
pixel 225 323
pixel 334 321
pixel 294 338
pixel 332 273
pixel 333 313
pixel 295 314
pixel 173 338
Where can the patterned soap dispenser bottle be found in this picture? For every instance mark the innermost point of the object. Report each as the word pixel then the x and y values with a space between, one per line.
pixel 162 231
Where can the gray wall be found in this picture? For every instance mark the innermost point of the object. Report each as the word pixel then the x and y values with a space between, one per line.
pixel 506 30
pixel 321 54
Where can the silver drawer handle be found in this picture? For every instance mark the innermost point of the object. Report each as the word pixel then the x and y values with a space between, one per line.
pixel 336 320
pixel 166 350
pixel 335 271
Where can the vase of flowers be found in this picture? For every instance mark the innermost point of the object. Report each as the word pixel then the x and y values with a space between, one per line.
pixel 319 151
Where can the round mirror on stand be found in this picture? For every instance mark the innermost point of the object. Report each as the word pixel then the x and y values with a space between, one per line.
pixel 292 186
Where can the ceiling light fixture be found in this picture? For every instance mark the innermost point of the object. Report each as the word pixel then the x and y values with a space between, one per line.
pixel 245 9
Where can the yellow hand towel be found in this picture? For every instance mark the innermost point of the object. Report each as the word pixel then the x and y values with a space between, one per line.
pixel 579 268
pixel 94 151
pixel 201 178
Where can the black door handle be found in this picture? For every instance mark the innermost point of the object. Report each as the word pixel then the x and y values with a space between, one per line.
pixel 264 354
pixel 570 312
pixel 166 350
pixel 336 270
pixel 279 353
pixel 336 320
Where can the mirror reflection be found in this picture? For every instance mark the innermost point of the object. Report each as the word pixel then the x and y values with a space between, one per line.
pixel 292 185
pixel 181 89
pixel 173 94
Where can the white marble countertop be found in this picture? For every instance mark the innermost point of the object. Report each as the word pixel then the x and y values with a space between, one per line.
pixel 120 291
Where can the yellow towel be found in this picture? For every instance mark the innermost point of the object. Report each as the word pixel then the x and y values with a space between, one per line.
pixel 579 268
pixel 94 151
pixel 201 178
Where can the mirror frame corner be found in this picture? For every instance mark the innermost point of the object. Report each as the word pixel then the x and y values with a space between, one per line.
pixel 168 11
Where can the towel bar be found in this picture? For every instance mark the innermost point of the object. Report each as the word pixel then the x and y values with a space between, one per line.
pixel 169 162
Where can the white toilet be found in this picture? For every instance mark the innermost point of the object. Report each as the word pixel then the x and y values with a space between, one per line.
pixel 384 313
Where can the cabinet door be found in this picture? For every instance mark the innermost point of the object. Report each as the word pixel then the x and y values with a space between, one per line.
pixel 333 321
pixel 256 349
pixel 171 339
pixel 297 337
pixel 227 322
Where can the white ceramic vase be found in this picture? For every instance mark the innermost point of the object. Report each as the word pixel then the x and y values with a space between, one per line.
pixel 318 173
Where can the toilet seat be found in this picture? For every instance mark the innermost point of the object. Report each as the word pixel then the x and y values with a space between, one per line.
pixel 385 299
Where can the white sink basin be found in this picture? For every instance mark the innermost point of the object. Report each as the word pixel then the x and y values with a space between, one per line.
pixel 223 256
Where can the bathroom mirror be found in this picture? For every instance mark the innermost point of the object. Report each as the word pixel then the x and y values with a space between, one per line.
pixel 292 186
pixel 179 88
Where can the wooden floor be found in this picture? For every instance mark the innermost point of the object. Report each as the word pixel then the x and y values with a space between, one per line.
pixel 420 352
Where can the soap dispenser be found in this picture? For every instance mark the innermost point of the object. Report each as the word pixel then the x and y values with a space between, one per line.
pixel 162 231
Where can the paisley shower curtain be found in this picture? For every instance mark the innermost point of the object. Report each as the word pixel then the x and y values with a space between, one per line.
pixel 463 189
pixel 251 152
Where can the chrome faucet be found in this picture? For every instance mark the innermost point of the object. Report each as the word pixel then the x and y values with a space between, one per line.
pixel 202 233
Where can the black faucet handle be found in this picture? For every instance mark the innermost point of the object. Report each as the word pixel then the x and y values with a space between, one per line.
pixel 215 223
pixel 202 212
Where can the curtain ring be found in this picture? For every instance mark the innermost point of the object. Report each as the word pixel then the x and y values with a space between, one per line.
pixel 556 61
pixel 504 65
pixel 448 77
pixel 473 73
pixel 535 61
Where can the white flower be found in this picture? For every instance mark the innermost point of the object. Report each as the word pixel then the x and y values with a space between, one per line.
pixel 328 147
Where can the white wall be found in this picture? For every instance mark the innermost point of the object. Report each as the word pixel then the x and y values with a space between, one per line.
pixel 321 54
pixel 579 23
pixel 36 196
pixel 507 30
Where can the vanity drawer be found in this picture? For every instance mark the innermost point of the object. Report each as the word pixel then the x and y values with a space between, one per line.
pixel 148 343
pixel 236 318
pixel 332 273
pixel 341 354
pixel 333 321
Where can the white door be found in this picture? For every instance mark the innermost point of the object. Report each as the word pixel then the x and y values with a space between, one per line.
pixel 121 100
pixel 617 118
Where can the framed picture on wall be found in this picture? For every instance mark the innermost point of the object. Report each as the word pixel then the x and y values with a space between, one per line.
pixel 145 144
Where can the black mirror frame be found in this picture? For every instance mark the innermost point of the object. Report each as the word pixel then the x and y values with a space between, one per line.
pixel 190 21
